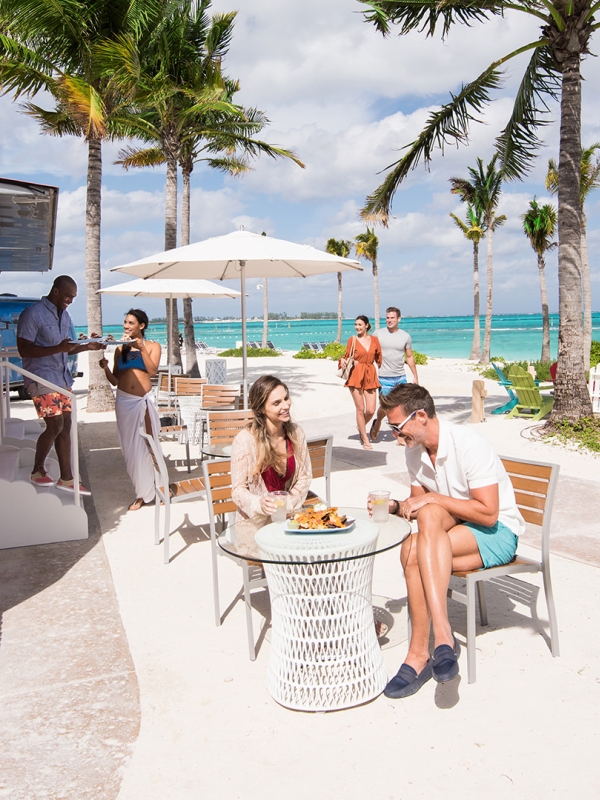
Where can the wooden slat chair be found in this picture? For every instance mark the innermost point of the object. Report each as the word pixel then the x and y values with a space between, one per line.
pixel 168 493
pixel 217 479
pixel 221 396
pixel 165 392
pixel 189 387
pixel 223 426
pixel 320 450
pixel 180 433
pixel 530 403
pixel 534 484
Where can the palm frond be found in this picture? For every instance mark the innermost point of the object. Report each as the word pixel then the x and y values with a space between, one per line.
pixel 53 123
pixel 552 176
pixel 426 15
pixel 230 165
pixel 140 157
pixel 518 143
pixel 85 105
pixel 450 124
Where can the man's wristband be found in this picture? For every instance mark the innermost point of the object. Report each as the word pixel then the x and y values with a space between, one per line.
pixel 396 509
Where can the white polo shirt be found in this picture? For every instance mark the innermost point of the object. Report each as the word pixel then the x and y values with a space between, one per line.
pixel 464 461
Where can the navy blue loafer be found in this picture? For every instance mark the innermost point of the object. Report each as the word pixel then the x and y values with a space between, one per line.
pixel 407 682
pixel 445 662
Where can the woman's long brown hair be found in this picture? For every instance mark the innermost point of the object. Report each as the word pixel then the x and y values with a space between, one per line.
pixel 267 456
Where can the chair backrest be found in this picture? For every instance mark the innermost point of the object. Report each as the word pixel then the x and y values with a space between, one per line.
pixel 524 385
pixel 161 474
pixel 500 373
pixel 226 394
pixel 217 482
pixel 224 426
pixel 320 450
pixel 534 484
pixel 164 386
pixel 189 386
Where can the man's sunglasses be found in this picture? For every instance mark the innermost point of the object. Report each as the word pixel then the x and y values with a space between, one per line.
pixel 398 428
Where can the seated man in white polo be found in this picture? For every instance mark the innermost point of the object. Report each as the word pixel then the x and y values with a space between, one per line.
pixel 467 518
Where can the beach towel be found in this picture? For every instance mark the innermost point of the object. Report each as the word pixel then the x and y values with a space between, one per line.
pixel 131 411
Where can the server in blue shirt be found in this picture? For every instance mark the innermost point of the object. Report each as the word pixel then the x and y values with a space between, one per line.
pixel 44 343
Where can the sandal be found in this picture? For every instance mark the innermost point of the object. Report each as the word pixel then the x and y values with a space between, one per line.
pixel 136 505
pixel 374 432
pixel 367 446
pixel 381 628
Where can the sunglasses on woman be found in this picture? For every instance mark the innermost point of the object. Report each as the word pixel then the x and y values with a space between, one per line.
pixel 398 428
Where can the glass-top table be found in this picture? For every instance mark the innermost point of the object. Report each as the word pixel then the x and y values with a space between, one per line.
pixel 215 450
pixel 324 649
pixel 319 548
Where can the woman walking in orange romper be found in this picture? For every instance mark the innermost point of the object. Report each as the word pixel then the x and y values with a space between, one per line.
pixel 363 383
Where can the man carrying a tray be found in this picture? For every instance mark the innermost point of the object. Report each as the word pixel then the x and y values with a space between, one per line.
pixel 44 344
pixel 467 518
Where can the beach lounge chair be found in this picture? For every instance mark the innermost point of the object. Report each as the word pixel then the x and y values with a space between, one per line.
pixel 315 347
pixel 271 346
pixel 534 484
pixel 530 403
pixel 306 346
pixel 168 493
pixel 217 479
pixel 504 381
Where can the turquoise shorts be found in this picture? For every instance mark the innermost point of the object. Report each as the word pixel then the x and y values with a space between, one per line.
pixel 387 384
pixel 497 544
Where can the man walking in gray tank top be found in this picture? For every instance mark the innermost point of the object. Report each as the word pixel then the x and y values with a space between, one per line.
pixel 396 348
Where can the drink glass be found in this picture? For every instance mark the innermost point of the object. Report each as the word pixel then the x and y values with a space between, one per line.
pixel 380 506
pixel 280 500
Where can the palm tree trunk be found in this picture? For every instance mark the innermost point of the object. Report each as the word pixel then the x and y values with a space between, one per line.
pixel 572 399
pixel 376 294
pixel 191 361
pixel 338 338
pixel 587 294
pixel 265 336
pixel 545 315
pixel 487 335
pixel 476 345
pixel 174 355
pixel 100 396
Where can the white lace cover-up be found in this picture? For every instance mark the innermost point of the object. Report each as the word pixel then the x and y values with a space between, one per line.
pixel 131 411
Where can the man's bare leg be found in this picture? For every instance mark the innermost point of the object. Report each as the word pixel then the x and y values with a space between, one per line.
pixel 62 445
pixel 418 650
pixel 45 441
pixel 442 545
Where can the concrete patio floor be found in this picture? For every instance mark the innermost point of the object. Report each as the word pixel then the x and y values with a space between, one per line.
pixel 116 683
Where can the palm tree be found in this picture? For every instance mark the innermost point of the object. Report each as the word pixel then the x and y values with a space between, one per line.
pixel 341 248
pixel 366 245
pixel 52 45
pixel 473 230
pixel 539 225
pixel 483 193
pixel 185 105
pixel 590 179
pixel 552 74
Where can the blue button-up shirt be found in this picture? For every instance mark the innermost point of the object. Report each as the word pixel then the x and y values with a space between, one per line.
pixel 42 325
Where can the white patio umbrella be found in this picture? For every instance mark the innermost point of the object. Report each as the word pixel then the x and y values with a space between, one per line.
pixel 242 255
pixel 170 288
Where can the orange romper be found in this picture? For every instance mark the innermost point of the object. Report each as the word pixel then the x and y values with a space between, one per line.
pixel 364 374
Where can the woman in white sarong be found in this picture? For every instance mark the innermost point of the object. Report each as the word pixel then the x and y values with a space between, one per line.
pixel 135 405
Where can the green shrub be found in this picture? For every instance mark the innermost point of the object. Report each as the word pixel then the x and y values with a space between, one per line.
pixel 542 368
pixel 308 354
pixel 261 352
pixel 585 433
pixel 595 354
pixel 420 358
pixel 334 350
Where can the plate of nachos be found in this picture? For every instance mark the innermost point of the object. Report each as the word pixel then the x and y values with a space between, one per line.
pixel 319 520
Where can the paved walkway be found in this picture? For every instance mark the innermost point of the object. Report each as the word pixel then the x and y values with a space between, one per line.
pixel 116 682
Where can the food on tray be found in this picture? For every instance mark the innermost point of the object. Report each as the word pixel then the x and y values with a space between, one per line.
pixel 312 519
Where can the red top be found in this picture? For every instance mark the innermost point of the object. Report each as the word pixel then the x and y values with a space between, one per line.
pixel 276 482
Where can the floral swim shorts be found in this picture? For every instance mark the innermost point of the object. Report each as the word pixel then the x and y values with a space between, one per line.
pixel 53 404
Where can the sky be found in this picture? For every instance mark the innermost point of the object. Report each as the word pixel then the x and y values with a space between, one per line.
pixel 345 100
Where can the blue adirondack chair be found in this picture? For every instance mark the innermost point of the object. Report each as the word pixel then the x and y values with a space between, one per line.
pixel 504 381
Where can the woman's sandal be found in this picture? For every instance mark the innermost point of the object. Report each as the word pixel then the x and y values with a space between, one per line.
pixel 367 446
pixel 137 504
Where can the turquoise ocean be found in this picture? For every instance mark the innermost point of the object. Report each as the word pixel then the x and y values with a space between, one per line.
pixel 514 336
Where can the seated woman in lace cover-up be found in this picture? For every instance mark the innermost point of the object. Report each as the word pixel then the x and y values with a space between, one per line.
pixel 269 455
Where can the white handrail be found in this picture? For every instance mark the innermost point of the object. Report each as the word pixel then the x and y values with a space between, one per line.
pixel 5 366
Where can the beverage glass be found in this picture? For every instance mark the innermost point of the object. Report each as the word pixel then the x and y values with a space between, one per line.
pixel 380 506
pixel 280 500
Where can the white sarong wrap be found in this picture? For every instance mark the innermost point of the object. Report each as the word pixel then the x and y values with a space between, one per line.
pixel 131 411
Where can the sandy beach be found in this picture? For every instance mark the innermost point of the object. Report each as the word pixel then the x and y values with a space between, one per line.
pixel 116 683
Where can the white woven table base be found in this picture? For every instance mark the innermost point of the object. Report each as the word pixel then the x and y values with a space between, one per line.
pixel 324 649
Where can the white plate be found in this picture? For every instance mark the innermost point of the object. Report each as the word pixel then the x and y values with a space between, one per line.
pixel 350 522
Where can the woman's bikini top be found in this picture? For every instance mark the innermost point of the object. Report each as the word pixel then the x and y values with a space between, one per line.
pixel 134 361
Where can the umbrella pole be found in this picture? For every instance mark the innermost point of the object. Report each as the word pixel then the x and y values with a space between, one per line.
pixel 244 343
pixel 169 317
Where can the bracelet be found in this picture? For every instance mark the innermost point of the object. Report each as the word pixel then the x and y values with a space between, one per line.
pixel 396 511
